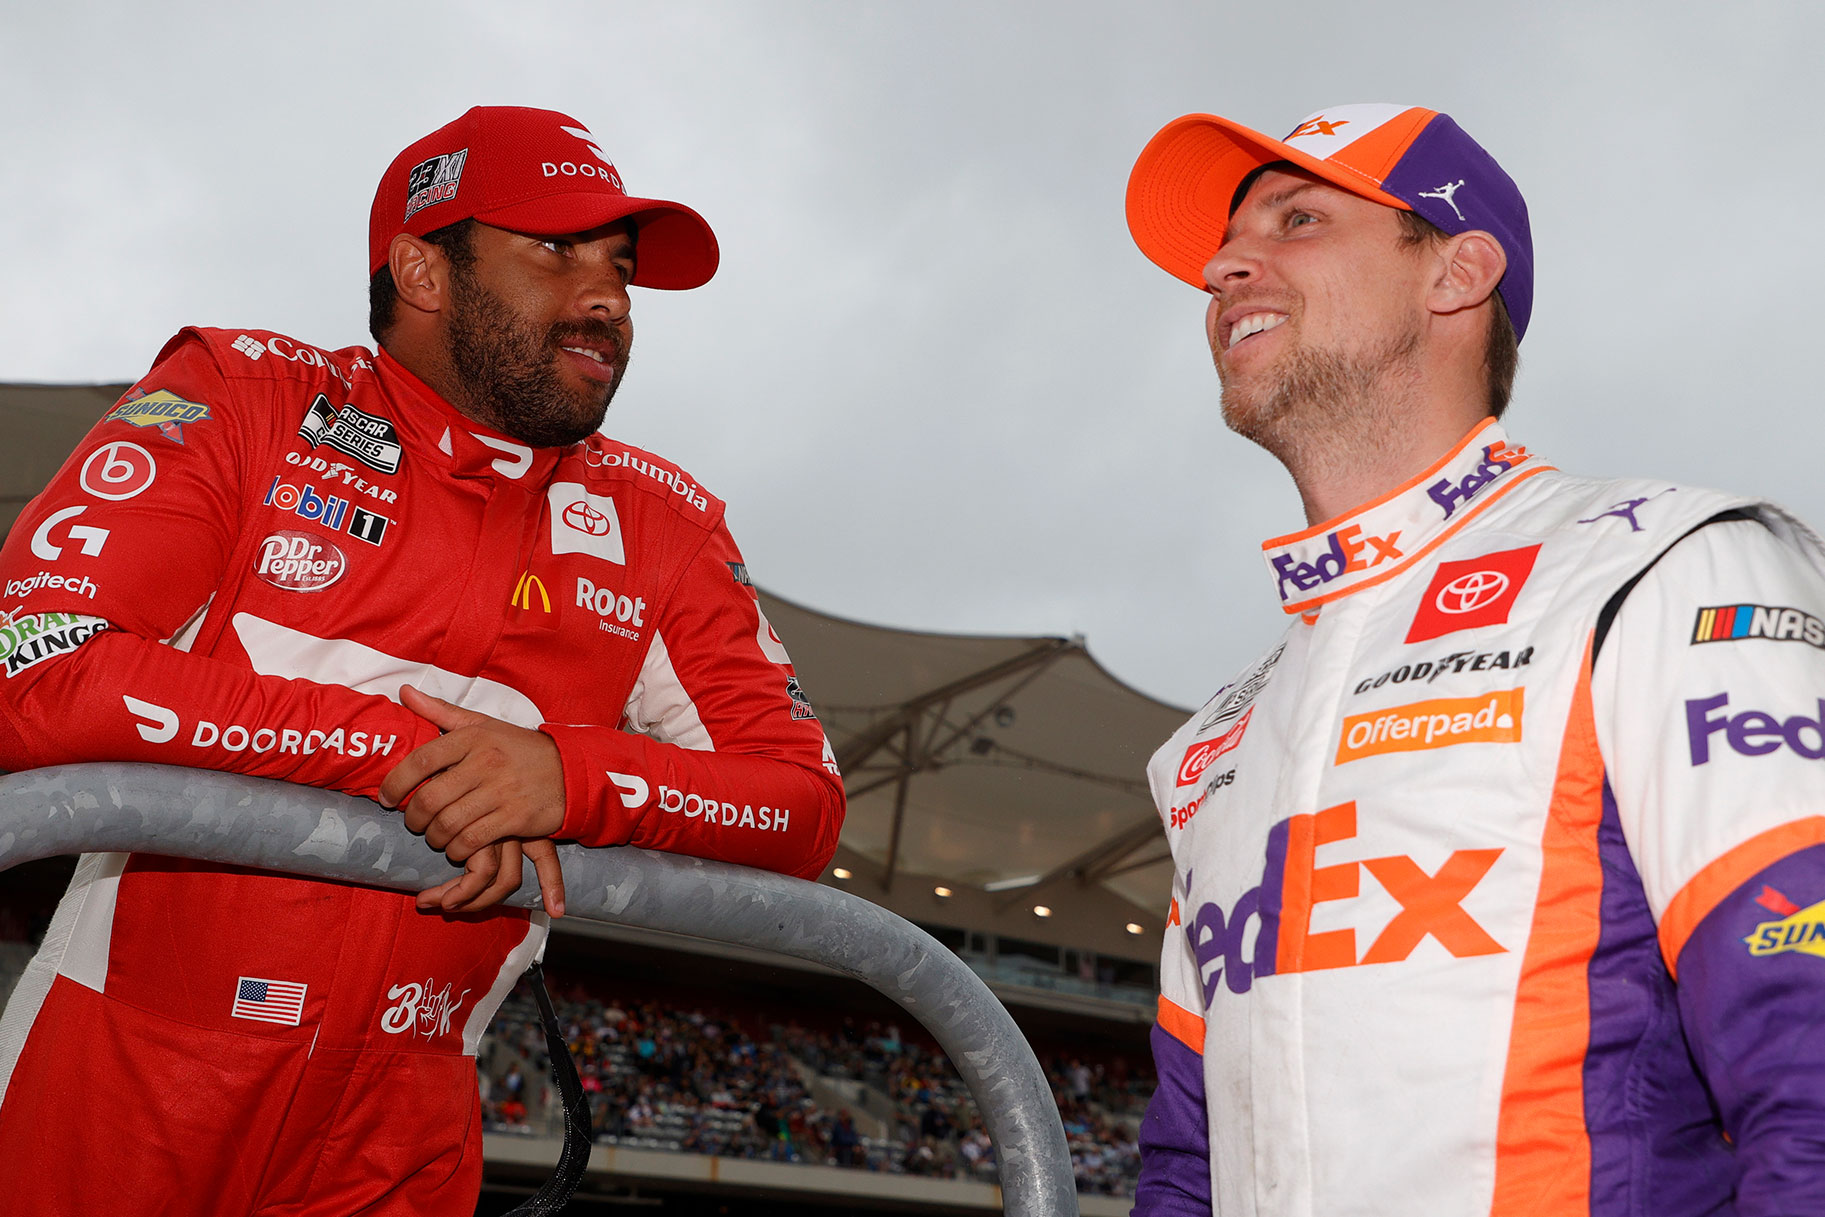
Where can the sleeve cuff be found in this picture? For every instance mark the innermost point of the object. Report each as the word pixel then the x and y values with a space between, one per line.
pixel 602 805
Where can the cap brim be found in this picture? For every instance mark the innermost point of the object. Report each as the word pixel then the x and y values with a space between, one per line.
pixel 676 251
pixel 1180 190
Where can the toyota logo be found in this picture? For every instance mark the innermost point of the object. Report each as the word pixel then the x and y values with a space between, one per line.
pixel 584 518
pixel 1467 593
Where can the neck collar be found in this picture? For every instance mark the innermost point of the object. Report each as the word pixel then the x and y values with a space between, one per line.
pixel 1385 536
pixel 468 448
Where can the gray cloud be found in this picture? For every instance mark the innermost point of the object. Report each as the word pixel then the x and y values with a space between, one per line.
pixel 934 379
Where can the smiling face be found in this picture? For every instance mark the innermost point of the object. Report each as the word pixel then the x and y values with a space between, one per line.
pixel 538 330
pixel 1316 305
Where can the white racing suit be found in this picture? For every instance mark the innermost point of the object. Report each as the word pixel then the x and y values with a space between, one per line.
pixel 1464 922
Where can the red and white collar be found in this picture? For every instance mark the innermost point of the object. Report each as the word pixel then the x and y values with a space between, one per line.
pixel 468 448
pixel 1379 539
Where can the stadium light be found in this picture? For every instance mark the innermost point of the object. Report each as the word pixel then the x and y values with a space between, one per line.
pixel 1040 910
pixel 841 872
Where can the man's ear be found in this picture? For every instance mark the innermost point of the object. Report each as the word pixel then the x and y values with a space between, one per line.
pixel 421 273
pixel 1470 265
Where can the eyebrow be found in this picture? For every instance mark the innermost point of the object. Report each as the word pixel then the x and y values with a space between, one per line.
pixel 1280 197
pixel 1273 202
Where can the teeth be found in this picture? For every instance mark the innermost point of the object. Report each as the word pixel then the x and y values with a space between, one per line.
pixel 1252 324
pixel 595 355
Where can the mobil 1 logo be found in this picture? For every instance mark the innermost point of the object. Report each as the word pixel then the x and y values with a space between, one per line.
pixel 332 511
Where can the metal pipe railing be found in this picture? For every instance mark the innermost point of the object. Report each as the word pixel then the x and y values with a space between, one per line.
pixel 194 813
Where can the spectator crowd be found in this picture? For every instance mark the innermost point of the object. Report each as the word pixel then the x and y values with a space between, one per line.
pixel 692 1081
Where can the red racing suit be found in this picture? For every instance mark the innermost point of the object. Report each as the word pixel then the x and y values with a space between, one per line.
pixel 237 569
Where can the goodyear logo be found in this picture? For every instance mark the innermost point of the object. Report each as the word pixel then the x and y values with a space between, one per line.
pixel 1802 929
pixel 160 408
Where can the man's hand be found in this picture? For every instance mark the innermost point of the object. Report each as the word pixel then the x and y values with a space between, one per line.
pixel 492 874
pixel 484 781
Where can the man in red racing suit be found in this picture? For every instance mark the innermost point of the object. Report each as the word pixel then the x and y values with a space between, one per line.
pixel 244 564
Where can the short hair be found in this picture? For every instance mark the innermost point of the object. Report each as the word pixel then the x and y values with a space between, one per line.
pixel 1502 347
pixel 383 294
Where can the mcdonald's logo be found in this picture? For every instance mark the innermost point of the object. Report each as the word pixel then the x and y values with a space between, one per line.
pixel 531 592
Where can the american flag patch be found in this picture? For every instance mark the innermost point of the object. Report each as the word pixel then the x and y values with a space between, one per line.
pixel 269 1001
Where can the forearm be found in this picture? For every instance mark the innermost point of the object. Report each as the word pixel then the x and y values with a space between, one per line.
pixel 759 811
pixel 120 697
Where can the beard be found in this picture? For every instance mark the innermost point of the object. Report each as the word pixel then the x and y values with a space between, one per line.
pixel 1316 398
pixel 507 370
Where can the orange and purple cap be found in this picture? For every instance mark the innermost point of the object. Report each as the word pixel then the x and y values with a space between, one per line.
pixel 1184 185
pixel 535 171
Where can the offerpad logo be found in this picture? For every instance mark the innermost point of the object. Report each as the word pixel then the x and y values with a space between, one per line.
pixel 299 561
pixel 1200 757
pixel 1492 718
pixel 1471 593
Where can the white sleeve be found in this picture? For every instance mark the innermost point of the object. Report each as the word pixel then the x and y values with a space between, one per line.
pixel 1709 696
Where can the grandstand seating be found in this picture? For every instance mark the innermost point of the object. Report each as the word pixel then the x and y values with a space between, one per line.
pixel 691 1081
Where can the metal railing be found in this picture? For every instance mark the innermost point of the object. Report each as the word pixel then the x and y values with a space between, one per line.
pixel 193 813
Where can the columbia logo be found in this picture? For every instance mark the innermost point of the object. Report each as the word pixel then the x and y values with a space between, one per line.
pixel 250 346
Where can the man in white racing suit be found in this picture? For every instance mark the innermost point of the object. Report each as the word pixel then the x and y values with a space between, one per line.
pixel 1500 881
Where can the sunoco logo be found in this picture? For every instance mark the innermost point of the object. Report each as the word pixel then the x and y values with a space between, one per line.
pixel 299 561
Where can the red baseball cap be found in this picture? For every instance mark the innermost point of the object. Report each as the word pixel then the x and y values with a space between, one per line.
pixel 1183 187
pixel 534 171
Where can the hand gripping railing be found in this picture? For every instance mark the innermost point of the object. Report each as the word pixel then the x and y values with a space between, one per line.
pixel 194 813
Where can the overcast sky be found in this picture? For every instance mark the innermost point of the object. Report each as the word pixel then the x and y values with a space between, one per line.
pixel 934 379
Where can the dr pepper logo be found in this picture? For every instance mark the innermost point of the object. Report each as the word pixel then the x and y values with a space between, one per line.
pixel 299 561
pixel 1471 593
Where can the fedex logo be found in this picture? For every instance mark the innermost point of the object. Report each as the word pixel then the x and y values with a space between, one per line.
pixel 1751 733
pixel 1293 884
pixel 1498 458
pixel 1346 551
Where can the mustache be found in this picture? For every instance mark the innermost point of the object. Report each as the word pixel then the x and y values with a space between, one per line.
pixel 587 333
